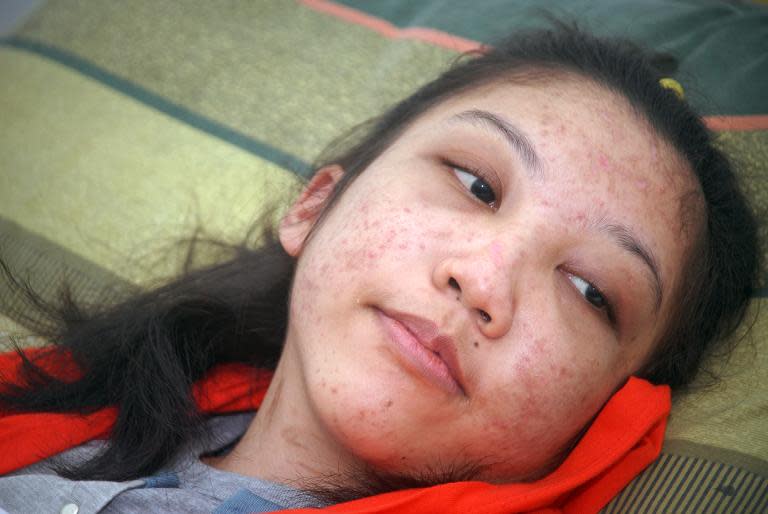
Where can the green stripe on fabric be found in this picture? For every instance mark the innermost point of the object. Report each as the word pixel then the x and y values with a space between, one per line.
pixel 207 125
pixel 274 70
pixel 44 266
pixel 690 485
pixel 116 181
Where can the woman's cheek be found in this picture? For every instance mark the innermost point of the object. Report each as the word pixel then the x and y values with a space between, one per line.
pixel 545 383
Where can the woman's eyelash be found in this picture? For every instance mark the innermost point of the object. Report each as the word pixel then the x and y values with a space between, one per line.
pixel 594 296
pixel 475 183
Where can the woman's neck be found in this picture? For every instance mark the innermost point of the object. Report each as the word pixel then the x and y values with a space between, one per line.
pixel 286 442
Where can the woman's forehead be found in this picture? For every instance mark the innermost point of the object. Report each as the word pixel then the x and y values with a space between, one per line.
pixel 565 110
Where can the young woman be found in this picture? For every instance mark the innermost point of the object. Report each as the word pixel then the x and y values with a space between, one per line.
pixel 479 291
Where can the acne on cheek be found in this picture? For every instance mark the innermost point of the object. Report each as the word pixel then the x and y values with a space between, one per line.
pixel 602 161
pixel 385 229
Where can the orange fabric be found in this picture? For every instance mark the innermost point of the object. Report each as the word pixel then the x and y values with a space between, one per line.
pixel 625 437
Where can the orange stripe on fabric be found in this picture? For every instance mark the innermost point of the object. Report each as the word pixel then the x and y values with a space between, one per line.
pixel 386 29
pixel 737 123
pixel 460 44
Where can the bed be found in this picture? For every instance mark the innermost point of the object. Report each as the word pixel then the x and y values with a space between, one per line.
pixel 123 125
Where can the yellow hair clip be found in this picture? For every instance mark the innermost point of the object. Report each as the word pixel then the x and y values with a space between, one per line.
pixel 668 83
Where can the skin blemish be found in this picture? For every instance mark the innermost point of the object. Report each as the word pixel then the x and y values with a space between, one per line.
pixel 476 344
pixel 334 390
pixel 602 161
pixel 440 234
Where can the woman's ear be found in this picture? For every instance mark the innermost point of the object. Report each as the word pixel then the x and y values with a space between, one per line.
pixel 301 217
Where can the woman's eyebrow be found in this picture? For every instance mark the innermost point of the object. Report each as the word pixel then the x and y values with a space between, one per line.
pixel 517 139
pixel 624 237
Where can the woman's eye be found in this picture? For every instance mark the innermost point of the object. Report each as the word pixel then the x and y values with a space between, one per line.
pixel 476 185
pixel 590 292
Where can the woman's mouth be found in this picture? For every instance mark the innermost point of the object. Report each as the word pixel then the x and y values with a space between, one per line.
pixel 418 343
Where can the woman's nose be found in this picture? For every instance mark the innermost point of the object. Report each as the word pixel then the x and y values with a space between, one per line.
pixel 483 283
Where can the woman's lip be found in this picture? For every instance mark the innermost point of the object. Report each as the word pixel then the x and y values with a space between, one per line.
pixel 430 354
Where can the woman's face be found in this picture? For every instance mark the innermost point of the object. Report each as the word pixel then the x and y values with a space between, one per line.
pixel 481 290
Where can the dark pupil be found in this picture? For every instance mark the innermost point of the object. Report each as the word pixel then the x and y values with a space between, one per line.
pixel 594 297
pixel 483 191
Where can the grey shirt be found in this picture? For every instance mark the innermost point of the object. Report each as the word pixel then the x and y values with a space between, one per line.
pixel 184 485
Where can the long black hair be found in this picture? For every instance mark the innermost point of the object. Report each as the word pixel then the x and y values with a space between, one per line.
pixel 143 353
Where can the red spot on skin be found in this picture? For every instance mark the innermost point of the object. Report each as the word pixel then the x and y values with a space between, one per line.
pixel 580 218
pixel 422 246
pixel 476 344
pixel 334 390
pixel 602 160
pixel 407 209
pixel 370 254
pixel 440 234
pixel 403 246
